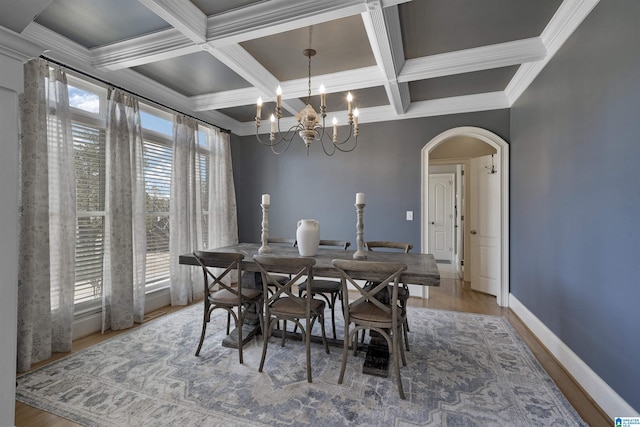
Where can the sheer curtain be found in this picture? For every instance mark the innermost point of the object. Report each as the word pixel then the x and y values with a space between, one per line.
pixel 48 217
pixel 125 233
pixel 185 224
pixel 223 216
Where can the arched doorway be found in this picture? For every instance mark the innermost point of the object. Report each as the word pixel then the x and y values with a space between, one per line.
pixel 502 156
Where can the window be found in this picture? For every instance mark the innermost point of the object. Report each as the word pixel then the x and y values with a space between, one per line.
pixel 88 109
pixel 89 145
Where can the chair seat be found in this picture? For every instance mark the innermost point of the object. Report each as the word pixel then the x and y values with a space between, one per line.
pixel 322 286
pixel 294 306
pixel 369 312
pixel 229 298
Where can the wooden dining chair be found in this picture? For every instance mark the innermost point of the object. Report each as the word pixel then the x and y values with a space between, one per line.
pixel 284 305
pixel 403 291
pixel 369 312
pixel 329 290
pixel 223 293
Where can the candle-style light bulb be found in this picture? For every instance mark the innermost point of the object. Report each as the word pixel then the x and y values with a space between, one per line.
pixel 349 101
pixel 279 96
pixel 356 113
pixel 259 109
pixel 335 129
pixel 323 96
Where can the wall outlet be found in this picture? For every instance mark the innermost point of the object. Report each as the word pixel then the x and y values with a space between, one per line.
pixel 409 215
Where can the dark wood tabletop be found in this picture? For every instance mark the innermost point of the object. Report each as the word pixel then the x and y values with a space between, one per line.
pixel 421 268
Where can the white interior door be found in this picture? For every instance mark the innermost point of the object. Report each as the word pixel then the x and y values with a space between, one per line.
pixel 485 226
pixel 441 215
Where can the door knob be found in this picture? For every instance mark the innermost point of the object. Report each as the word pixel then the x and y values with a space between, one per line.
pixel 433 223
pixel 473 232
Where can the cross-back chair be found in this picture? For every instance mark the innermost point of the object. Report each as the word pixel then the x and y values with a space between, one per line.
pixel 224 292
pixel 329 290
pixel 403 292
pixel 284 305
pixel 370 312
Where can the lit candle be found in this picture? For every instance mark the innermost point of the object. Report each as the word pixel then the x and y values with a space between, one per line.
pixel 349 100
pixel 266 199
pixel 323 96
pixel 279 97
pixel 259 111
pixel 273 123
pixel 356 113
pixel 335 129
pixel 359 198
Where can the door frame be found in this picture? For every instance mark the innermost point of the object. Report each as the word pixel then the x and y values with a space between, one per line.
pixel 502 149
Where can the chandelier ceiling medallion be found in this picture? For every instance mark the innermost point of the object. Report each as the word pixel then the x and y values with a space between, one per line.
pixel 310 126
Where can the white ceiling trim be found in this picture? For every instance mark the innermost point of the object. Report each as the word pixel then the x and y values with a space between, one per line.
pixel 276 16
pixel 475 59
pixel 16 47
pixel 225 99
pixel 567 18
pixel 182 15
pixel 292 89
pixel 56 44
pixel 246 66
pixel 437 107
pixel 142 50
pixel 383 29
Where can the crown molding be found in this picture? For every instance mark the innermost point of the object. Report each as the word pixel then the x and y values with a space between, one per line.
pixel 267 18
pixel 16 47
pixel 158 46
pixel 57 45
pixel 567 18
pixel 475 59
pixel 183 15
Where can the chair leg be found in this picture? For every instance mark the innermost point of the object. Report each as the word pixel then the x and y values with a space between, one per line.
pixel 228 321
pixel 396 361
pixel 345 350
pixel 204 330
pixel 334 297
pixel 265 342
pixel 239 321
pixel 307 344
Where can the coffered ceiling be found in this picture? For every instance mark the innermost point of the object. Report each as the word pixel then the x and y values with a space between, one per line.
pixel 213 58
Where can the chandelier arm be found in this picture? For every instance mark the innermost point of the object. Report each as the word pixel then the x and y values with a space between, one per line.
pixel 283 137
pixel 325 150
pixel 285 148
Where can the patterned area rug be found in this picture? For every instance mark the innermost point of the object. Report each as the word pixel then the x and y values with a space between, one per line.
pixel 463 370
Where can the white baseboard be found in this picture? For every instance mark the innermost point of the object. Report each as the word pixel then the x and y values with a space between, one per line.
pixel 596 387
pixel 92 323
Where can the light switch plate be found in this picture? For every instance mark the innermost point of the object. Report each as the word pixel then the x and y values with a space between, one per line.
pixel 409 215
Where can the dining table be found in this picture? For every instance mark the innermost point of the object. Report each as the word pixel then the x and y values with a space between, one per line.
pixel 421 270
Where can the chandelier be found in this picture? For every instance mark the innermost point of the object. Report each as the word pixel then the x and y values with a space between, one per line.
pixel 310 126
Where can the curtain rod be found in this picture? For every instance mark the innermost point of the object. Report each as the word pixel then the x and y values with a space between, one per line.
pixel 75 70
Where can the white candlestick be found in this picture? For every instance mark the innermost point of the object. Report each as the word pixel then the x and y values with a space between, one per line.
pixel 265 249
pixel 359 198
pixel 266 199
pixel 360 253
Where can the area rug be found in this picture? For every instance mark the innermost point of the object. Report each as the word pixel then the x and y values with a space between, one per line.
pixel 463 370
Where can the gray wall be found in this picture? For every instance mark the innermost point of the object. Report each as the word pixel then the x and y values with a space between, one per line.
pixel 385 166
pixel 575 198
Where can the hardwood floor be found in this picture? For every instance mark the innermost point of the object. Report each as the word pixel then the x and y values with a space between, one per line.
pixel 452 294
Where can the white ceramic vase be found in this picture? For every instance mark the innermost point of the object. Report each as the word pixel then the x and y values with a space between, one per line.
pixel 308 237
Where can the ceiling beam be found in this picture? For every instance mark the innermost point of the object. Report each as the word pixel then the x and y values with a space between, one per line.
pixel 183 15
pixel 291 89
pixel 475 59
pixel 142 50
pixel 247 67
pixel 436 107
pixel 385 37
pixel 567 18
